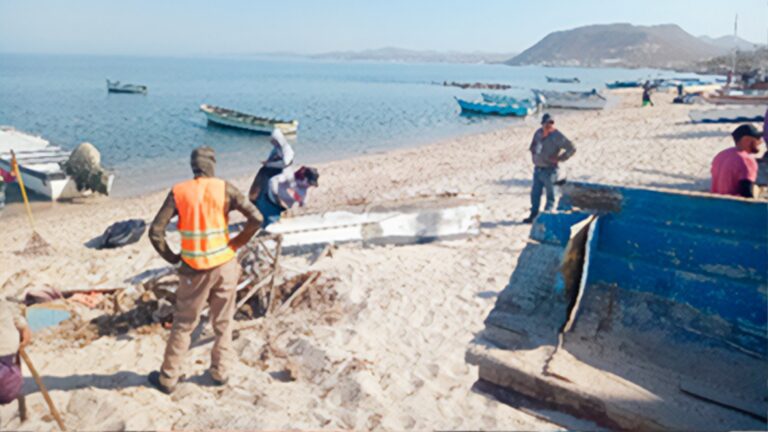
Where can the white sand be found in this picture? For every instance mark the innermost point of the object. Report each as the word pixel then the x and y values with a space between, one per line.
pixel 390 353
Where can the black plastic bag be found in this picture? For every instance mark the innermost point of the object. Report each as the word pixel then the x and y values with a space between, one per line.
pixel 123 233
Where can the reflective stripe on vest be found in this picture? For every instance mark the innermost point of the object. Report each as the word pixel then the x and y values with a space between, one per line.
pixel 202 222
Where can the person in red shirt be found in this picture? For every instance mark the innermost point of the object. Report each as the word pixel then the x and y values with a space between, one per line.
pixel 734 170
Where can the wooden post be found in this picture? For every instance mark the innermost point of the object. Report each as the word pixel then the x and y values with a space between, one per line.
pixel 43 390
pixel 275 270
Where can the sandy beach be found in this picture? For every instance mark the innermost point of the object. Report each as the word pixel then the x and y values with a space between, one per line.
pixel 386 350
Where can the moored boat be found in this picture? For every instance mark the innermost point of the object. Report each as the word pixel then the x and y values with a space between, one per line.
pixel 738 97
pixel 624 84
pixel 736 114
pixel 116 87
pixel 240 120
pixel 506 99
pixel 40 164
pixel 563 80
pixel 571 100
pixel 503 109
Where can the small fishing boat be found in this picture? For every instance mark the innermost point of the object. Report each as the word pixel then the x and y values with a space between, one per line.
pixel 571 100
pixel 624 84
pixel 236 119
pixel 502 109
pixel 563 80
pixel 509 100
pixel 740 114
pixel 116 87
pixel 738 97
pixel 40 164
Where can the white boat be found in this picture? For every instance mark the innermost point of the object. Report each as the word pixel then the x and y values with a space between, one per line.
pixel 116 87
pixel 416 221
pixel 734 114
pixel 236 119
pixel 571 100
pixel 40 165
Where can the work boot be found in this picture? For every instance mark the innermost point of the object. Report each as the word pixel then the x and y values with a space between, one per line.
pixel 217 378
pixel 529 219
pixel 154 379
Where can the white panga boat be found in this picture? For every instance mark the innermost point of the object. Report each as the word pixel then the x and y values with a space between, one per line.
pixel 116 87
pixel 572 99
pixel 405 222
pixel 734 114
pixel 236 119
pixel 40 165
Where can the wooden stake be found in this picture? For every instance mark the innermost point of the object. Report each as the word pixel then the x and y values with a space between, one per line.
pixel 275 263
pixel 43 390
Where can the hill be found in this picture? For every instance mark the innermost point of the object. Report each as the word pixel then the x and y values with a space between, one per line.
pixel 625 45
pixel 393 54
pixel 730 42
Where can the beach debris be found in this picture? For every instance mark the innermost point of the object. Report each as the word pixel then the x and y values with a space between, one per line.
pixel 42 295
pixel 91 300
pixel 84 166
pixel 122 233
pixel 40 317
pixel 36 246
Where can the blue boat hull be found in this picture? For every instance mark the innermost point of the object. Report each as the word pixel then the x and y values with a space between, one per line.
pixel 488 108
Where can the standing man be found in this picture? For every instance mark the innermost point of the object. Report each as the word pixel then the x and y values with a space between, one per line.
pixel 208 270
pixel 548 148
pixel 14 334
pixel 647 94
pixel 734 170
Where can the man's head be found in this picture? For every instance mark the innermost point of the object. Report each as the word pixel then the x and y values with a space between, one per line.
pixel 747 138
pixel 308 175
pixel 277 138
pixel 547 123
pixel 203 162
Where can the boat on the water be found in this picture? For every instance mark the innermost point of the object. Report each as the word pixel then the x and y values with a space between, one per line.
pixel 624 84
pixel 571 100
pixel 502 109
pixel 116 87
pixel 240 120
pixel 509 100
pixel 40 164
pixel 563 80
pixel 736 114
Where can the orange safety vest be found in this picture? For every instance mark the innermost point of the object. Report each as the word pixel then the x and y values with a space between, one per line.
pixel 202 222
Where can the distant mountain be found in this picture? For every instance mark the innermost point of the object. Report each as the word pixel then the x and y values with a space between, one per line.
pixel 729 42
pixel 625 45
pixel 392 54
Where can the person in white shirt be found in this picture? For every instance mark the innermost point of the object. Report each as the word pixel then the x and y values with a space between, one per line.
pixel 279 158
pixel 284 191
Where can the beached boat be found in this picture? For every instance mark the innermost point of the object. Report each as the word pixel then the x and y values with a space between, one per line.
pixel 116 87
pixel 740 114
pixel 738 97
pixel 503 109
pixel 563 80
pixel 236 119
pixel 40 164
pixel 624 84
pixel 571 100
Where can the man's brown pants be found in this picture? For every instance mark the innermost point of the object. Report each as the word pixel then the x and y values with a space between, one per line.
pixel 216 287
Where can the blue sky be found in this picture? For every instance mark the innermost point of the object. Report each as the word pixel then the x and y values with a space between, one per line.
pixel 195 27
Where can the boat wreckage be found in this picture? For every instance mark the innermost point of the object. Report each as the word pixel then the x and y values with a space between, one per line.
pixel 638 309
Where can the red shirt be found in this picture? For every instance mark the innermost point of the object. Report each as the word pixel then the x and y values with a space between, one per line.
pixel 729 167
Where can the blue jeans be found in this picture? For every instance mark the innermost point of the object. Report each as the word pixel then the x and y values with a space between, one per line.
pixel 269 210
pixel 543 178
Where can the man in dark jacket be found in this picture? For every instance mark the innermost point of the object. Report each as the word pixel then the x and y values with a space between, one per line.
pixel 548 148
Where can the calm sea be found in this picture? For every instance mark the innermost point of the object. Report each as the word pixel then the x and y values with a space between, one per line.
pixel 344 108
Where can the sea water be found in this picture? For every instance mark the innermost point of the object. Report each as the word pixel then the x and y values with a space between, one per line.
pixel 344 108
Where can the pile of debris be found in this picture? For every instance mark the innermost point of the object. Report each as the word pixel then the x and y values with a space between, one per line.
pixel 264 290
